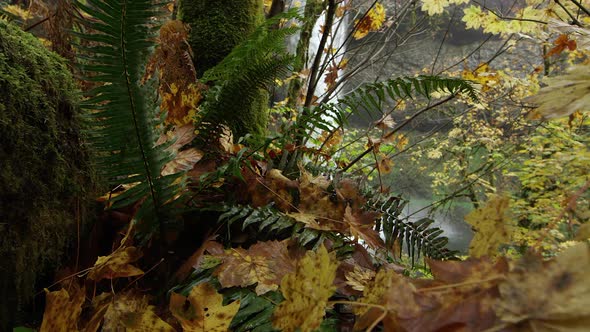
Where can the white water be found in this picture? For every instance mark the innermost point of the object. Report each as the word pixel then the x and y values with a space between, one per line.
pixel 335 41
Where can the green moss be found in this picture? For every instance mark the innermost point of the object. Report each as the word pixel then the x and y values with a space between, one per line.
pixel 44 174
pixel 217 26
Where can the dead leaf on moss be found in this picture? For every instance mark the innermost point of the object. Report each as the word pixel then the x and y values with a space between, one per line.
pixel 205 312
pixel 306 292
pixel 62 310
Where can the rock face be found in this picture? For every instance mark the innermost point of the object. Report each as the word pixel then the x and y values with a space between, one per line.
pixel 44 172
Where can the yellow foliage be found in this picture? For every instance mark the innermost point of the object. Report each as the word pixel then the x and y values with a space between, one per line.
pixel 482 75
pixel 205 312
pixel 370 22
pixel 492 227
pixel 306 292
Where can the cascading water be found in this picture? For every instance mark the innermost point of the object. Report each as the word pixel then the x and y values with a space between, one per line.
pixel 336 41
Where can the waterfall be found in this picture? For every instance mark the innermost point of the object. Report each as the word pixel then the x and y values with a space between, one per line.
pixel 336 41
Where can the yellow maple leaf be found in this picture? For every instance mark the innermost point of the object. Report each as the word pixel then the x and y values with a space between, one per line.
pixel 62 310
pixel 116 265
pixel 126 312
pixel 492 226
pixel 205 312
pixel 482 75
pixel 370 22
pixel 306 292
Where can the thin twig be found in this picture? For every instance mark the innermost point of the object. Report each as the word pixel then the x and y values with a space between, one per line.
pixel 398 128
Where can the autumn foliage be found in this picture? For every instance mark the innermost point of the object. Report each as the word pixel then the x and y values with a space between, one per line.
pixel 268 241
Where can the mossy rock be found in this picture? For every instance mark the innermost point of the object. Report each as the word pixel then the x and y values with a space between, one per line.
pixel 44 173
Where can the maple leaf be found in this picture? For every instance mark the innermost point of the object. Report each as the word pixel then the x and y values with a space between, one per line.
pixel 62 310
pixel 562 42
pixel 564 94
pixel 384 164
pixel 306 292
pixel 492 227
pixel 184 160
pixel 372 21
pixel 362 224
pixel 128 312
pixel 205 312
pixel 264 263
pixel 482 75
pixel 116 265
pixel 548 295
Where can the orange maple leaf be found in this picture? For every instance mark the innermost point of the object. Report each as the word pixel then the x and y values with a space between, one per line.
pixel 562 43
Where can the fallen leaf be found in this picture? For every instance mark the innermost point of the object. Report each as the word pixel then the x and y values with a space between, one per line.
pixel 62 310
pixel 550 295
pixel 564 94
pixel 205 312
pixel 361 224
pixel 116 265
pixel 184 160
pixel 264 263
pixel 306 292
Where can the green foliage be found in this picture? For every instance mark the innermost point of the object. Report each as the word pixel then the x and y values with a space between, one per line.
pixel 267 223
pixel 217 26
pixel 417 236
pixel 251 68
pixel 373 98
pixel 123 119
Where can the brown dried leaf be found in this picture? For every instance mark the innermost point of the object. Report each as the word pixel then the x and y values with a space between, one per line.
pixel 548 295
pixel 185 160
pixel 62 310
pixel 264 263
pixel 362 225
pixel 205 312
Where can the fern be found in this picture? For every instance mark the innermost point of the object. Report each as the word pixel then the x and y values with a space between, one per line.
pixel 418 237
pixel 268 223
pixel 123 120
pixel 249 70
pixel 373 97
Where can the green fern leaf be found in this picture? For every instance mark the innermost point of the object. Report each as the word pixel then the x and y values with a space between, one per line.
pixel 124 121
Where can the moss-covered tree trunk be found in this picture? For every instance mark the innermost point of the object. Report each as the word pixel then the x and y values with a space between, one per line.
pixel 217 26
pixel 44 174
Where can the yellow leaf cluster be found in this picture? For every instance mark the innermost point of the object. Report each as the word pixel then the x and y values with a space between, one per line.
pixel 306 292
pixel 492 227
pixel 482 75
pixel 370 22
